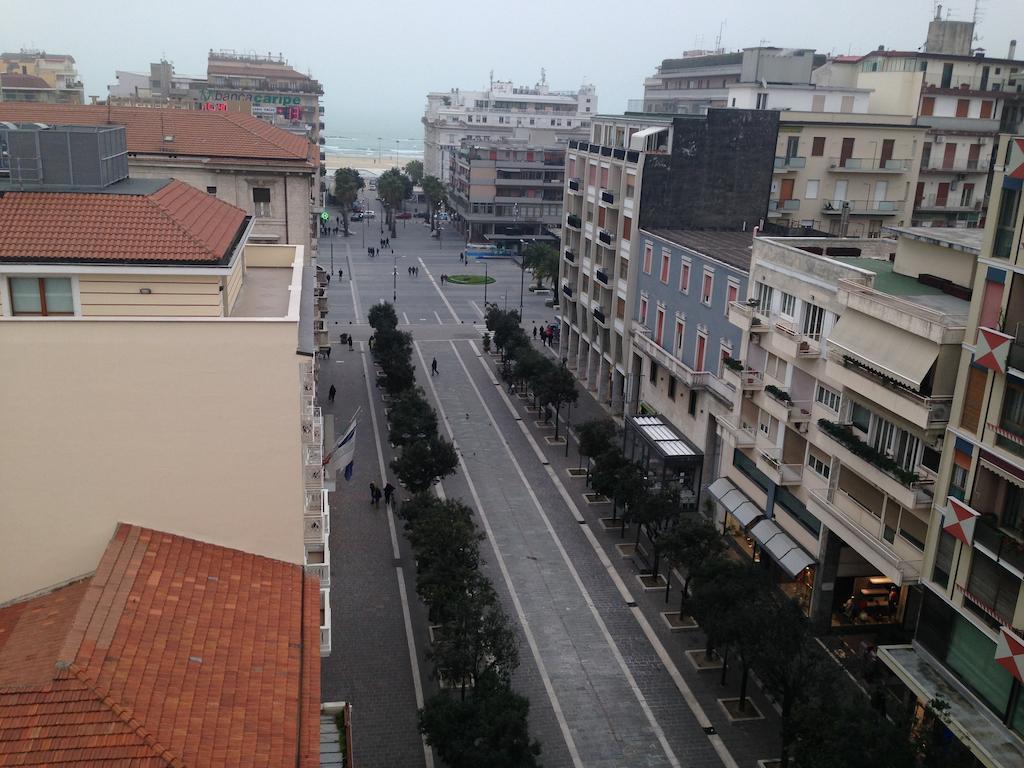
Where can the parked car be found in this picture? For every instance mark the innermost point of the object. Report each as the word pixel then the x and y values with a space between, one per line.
pixel 357 216
pixel 403 215
pixel 420 215
pixel 370 214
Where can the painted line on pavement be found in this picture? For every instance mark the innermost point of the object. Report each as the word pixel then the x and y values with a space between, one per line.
pixel 406 318
pixel 630 680
pixel 477 309
pixel 352 284
pixel 549 688
pixel 417 686
pixel 439 321
pixel 437 288
pixel 380 450
pixel 659 648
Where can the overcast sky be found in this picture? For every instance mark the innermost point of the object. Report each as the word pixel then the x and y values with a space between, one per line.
pixel 377 60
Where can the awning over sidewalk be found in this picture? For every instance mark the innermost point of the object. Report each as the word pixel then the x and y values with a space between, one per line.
pixel 787 553
pixel 882 347
pixel 735 501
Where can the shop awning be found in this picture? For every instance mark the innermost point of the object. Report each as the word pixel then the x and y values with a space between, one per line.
pixel 787 553
pixel 734 500
pixel 891 351
pixel 746 513
pixel 720 487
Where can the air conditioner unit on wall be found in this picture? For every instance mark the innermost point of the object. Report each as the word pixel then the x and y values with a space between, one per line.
pixel 940 139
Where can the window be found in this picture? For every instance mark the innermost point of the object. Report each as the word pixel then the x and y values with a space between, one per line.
pixel 898 444
pixel 643 311
pixel 819 463
pixel 994 587
pixel 787 305
pixel 620 308
pixel 684 276
pixel 963 106
pixel 943 559
pixel 648 257
pixel 768 424
pixel 680 333
pixel 211 190
pixel 666 263
pixel 828 397
pixel 691 405
pixel 967 196
pixel 927 106
pixel 762 101
pixel 659 326
pixel 261 201
pixel 591 174
pixel 817 146
pixel 706 287
pixel 763 293
pixel 974 398
pixel 811 193
pixel 672 387
pixel 860 417
pixel 814 317
pixel 627 227
pixel 698 357
pixel 732 293
pixel 652 374
pixel 986 109
pixel 775 367
pixel 41 296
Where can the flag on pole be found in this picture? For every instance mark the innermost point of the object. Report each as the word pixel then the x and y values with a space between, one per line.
pixel 342 455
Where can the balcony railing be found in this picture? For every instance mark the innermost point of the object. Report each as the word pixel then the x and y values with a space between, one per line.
pixel 789 163
pixel 600 316
pixel 873 164
pixel 570 256
pixel 574 185
pixel 940 165
pixel 938 408
pixel 780 472
pixel 645 343
pixel 1008 439
pixel 933 202
pixel 957 82
pixel 1003 546
pixel 741 436
pixel 843 434
pixel 792 204
pixel 862 207
pixel 604 237
pixel 862 297
pixel 601 276
pixel 607 197
pixel 747 379
pixel 574 221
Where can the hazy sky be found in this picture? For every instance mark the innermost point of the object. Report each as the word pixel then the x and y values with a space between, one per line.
pixel 377 60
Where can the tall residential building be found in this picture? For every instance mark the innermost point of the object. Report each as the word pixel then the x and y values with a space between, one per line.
pixel 963 98
pixel 508 190
pixel 179 368
pixel 650 172
pixel 267 87
pixel 160 86
pixel 844 380
pixel 269 173
pixel 495 113
pixel 31 75
pixel 969 645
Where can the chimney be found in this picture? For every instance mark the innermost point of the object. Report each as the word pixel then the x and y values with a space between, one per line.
pixel 1013 49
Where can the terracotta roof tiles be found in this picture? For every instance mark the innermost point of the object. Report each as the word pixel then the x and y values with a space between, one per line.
pixel 180 653
pixel 196 132
pixel 176 223
pixel 18 80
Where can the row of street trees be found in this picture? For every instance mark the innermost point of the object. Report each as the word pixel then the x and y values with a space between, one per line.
pixel 551 384
pixel 476 719
pixel 347 183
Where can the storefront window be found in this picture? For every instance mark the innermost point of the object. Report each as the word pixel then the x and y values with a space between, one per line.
pixel 794 507
pixel 972 656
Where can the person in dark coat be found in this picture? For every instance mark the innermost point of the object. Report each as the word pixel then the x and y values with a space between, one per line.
pixel 331 393
pixel 389 491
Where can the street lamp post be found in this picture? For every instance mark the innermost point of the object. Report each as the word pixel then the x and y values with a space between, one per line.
pixel 486 279
pixel 522 278
pixel 394 283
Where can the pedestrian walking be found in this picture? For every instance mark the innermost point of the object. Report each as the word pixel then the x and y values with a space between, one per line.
pixel 433 367
pixel 350 342
pixel 373 492
pixel 535 333
pixel 341 274
pixel 331 393
pixel 389 491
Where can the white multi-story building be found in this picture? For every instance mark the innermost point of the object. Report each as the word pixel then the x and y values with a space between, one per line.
pixel 495 113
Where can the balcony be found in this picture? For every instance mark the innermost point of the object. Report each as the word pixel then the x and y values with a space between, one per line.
pixel 904 486
pixel 567 290
pixel 604 237
pixel 862 207
pixel 607 198
pixel 786 164
pixel 312 467
pixel 868 165
pixel 939 327
pixel 318 562
pixel 1001 545
pixel 325 622
pixel 599 315
pixel 747 316
pixel 312 425
pixel 574 185
pixel 740 436
pixel 778 403
pixel 778 207
pixel 862 530
pixel 689 378
pixel 601 276
pixel 788 341
pixel 953 204
pixel 969 125
pixel 745 379
pixel 574 222
pixel 770 462
pixel 939 165
pixel 570 256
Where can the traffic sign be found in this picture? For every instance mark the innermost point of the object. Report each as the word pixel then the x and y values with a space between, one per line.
pixel 325 216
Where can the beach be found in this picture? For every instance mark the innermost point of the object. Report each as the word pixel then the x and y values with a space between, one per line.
pixel 367 162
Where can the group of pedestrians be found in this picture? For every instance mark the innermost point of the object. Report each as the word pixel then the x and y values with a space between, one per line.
pixel 385 242
pixel 546 334
pixel 414 271
pixel 444 279
pixel 376 493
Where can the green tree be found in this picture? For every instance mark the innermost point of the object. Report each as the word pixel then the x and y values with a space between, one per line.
pixel 652 512
pixel 414 170
pixel 382 316
pixel 556 388
pixel 393 187
pixel 411 418
pixel 691 545
pixel 424 462
pixel 399 377
pixel 542 258
pixel 529 365
pixel 595 437
pixel 347 183
pixel 488 728
pixel 436 195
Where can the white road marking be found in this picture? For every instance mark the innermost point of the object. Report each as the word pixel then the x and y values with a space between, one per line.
pixel 352 284
pixel 527 631
pixel 440 293
pixel 406 318
pixel 648 630
pixel 476 309
pixel 439 321
pixel 630 680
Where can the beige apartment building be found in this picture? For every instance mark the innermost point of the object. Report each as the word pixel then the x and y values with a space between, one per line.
pixel 271 174
pixel 969 641
pixel 845 375
pixel 37 76
pixel 156 368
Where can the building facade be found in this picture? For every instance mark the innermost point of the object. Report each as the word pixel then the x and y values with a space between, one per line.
pixel 695 172
pixel 682 334
pixel 162 329
pixel 31 75
pixel 494 114
pixel 844 383
pixel 508 191
pixel 973 602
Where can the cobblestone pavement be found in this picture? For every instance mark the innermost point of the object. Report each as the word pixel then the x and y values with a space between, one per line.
pixel 609 683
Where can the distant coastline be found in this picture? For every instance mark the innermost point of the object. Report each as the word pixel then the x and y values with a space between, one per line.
pixel 369 154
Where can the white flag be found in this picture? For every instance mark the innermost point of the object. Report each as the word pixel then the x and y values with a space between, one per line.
pixel 342 456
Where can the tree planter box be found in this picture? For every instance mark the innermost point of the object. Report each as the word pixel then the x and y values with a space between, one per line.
pixel 596 498
pixel 731 707
pixel 651 583
pixel 626 550
pixel 554 440
pixel 701 662
pixel 575 472
pixel 676 623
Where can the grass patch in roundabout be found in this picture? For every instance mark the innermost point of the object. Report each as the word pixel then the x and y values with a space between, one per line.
pixel 469 279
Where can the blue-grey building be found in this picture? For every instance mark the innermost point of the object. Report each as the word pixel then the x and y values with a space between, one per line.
pixel 681 330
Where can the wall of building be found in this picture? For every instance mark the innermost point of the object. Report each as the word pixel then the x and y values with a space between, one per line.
pixel 920 258
pixel 744 96
pixel 171 296
pixel 187 427
pixel 717 175
pixel 892 93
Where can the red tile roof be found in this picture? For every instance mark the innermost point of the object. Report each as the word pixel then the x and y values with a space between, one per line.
pixel 18 80
pixel 177 223
pixel 196 132
pixel 179 653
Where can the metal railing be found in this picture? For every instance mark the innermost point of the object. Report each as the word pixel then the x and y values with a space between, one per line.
pixel 940 164
pixel 963 82
pixel 792 204
pixel 852 287
pixel 869 164
pixel 938 408
pixel 742 437
pixel 882 207
pixel 947 203
pixel 782 163
pixel 788 474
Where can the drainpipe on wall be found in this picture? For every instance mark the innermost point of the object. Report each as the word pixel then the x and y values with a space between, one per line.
pixel 287 238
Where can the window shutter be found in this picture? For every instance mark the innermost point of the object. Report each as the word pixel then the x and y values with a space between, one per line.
pixel 973 398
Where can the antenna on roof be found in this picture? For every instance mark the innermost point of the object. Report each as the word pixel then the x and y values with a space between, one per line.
pixel 718 40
